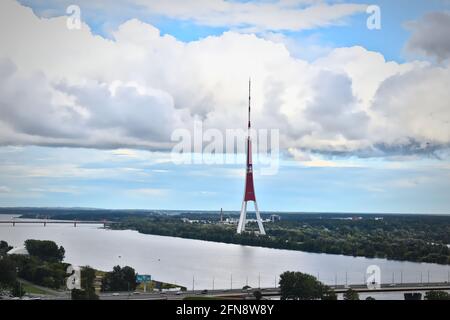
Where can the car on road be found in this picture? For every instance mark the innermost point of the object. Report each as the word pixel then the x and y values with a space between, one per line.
pixel 115 294
pixel 204 291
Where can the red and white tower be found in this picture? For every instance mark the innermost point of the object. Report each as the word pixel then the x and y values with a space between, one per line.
pixel 249 193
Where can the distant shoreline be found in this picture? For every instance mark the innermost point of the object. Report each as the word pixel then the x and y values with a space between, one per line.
pixel 398 237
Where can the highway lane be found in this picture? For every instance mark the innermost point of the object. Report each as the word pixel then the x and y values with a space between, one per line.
pixel 266 292
pixel 241 294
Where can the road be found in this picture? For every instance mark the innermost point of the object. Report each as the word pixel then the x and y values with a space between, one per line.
pixel 239 293
pixel 267 292
pixel 180 295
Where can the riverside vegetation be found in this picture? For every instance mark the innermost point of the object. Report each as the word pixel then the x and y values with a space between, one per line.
pixel 415 238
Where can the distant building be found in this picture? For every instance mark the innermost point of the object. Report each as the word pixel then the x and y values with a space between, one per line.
pixel 231 221
pixel 275 217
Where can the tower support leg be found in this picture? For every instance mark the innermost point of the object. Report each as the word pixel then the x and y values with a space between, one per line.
pixel 258 219
pixel 242 218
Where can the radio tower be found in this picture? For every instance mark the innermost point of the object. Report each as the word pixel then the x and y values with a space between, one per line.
pixel 249 193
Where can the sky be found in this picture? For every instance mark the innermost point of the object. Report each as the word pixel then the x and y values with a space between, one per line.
pixel 356 92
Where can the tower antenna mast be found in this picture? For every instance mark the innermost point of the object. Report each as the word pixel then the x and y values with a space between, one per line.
pixel 249 103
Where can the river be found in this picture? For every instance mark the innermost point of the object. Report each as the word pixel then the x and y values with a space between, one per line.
pixel 204 264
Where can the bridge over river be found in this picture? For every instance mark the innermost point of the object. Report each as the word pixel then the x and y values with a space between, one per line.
pixel 13 222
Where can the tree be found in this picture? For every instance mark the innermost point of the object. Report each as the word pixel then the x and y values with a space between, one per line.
pixel 329 295
pixel 4 248
pixel 17 290
pixel 8 273
pixel 437 295
pixel 413 296
pixel 351 294
pixel 120 279
pixel 301 286
pixel 257 294
pixel 45 250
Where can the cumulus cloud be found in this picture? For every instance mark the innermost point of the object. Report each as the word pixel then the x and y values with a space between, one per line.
pixel 35 111
pixel 73 88
pixel 415 105
pixel 430 35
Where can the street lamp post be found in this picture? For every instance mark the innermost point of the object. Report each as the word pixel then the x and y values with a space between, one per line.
pixel 231 282
pixel 20 283
pixel 346 279
pixel 259 280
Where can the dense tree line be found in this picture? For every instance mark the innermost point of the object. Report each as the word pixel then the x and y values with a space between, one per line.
pixel 45 250
pixel 397 238
pixel 437 295
pixel 43 266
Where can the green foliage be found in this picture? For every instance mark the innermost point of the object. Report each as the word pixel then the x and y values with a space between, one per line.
pixel 47 272
pixel 8 274
pixel 437 295
pixel 301 286
pixel 257 294
pixel 351 294
pixel 417 238
pixel 412 296
pixel 44 273
pixel 4 248
pixel 31 268
pixel 17 290
pixel 396 237
pixel 329 295
pixel 120 279
pixel 45 250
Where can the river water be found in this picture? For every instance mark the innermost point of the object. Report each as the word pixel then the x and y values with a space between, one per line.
pixel 204 264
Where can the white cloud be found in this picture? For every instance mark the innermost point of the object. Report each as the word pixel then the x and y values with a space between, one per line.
pixel 273 15
pixel 4 189
pixel 415 105
pixel 149 192
pixel 72 88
